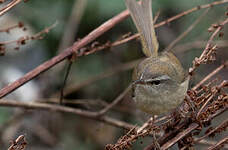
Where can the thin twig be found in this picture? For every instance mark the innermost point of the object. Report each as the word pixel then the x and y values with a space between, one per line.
pixel 9 6
pixel 116 101
pixel 19 144
pixel 213 93
pixel 64 82
pixel 207 48
pixel 184 34
pixel 175 18
pixel 65 109
pixel 182 134
pixel 204 105
pixel 114 70
pixel 210 142
pixel 8 29
pixel 65 54
pixel 210 75
pixel 182 48
pixel 36 36
pixel 87 103
pixel 119 42
pixel 220 144
pixel 190 11
pixel 72 24
pixel 179 136
pixel 217 127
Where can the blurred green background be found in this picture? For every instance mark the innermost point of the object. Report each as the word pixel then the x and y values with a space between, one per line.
pixel 52 130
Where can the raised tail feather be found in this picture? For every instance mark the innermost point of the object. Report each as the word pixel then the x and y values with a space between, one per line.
pixel 143 19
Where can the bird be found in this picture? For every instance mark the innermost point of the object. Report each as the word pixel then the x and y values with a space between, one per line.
pixel 159 81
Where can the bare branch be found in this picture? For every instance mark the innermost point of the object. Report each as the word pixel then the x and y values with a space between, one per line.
pixel 219 145
pixel 184 34
pixel 58 108
pixel 116 101
pixel 65 54
pixel 179 136
pixel 114 70
pixel 207 54
pixel 24 39
pixel 19 144
pixel 210 75
pixel 223 125
pixel 9 6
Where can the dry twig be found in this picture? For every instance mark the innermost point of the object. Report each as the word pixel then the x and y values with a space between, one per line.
pixel 19 144
pixel 9 6
pixel 24 39
pixel 209 51
pixel 184 34
pixel 65 109
pixel 219 145
pixel 18 25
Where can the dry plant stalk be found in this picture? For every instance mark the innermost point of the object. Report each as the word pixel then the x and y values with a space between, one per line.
pixel 24 39
pixel 18 144
pixel 9 6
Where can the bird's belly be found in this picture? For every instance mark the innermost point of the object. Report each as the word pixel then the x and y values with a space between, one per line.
pixel 158 103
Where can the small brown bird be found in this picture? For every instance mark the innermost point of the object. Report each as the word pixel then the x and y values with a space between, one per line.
pixel 160 83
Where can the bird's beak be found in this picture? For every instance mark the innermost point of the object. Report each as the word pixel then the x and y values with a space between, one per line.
pixel 140 81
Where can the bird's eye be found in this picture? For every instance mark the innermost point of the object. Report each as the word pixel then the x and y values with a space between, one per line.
pixel 155 82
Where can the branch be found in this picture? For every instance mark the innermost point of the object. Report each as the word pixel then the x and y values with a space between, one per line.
pixel 24 39
pixel 219 145
pixel 116 101
pixel 18 25
pixel 71 26
pixel 9 6
pixel 109 72
pixel 221 126
pixel 210 75
pixel 65 54
pixel 184 34
pixel 182 134
pixel 119 42
pixel 19 144
pixel 210 142
pixel 65 109
pixel 209 49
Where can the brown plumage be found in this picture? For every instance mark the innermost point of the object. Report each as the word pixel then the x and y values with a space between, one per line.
pixel 160 81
